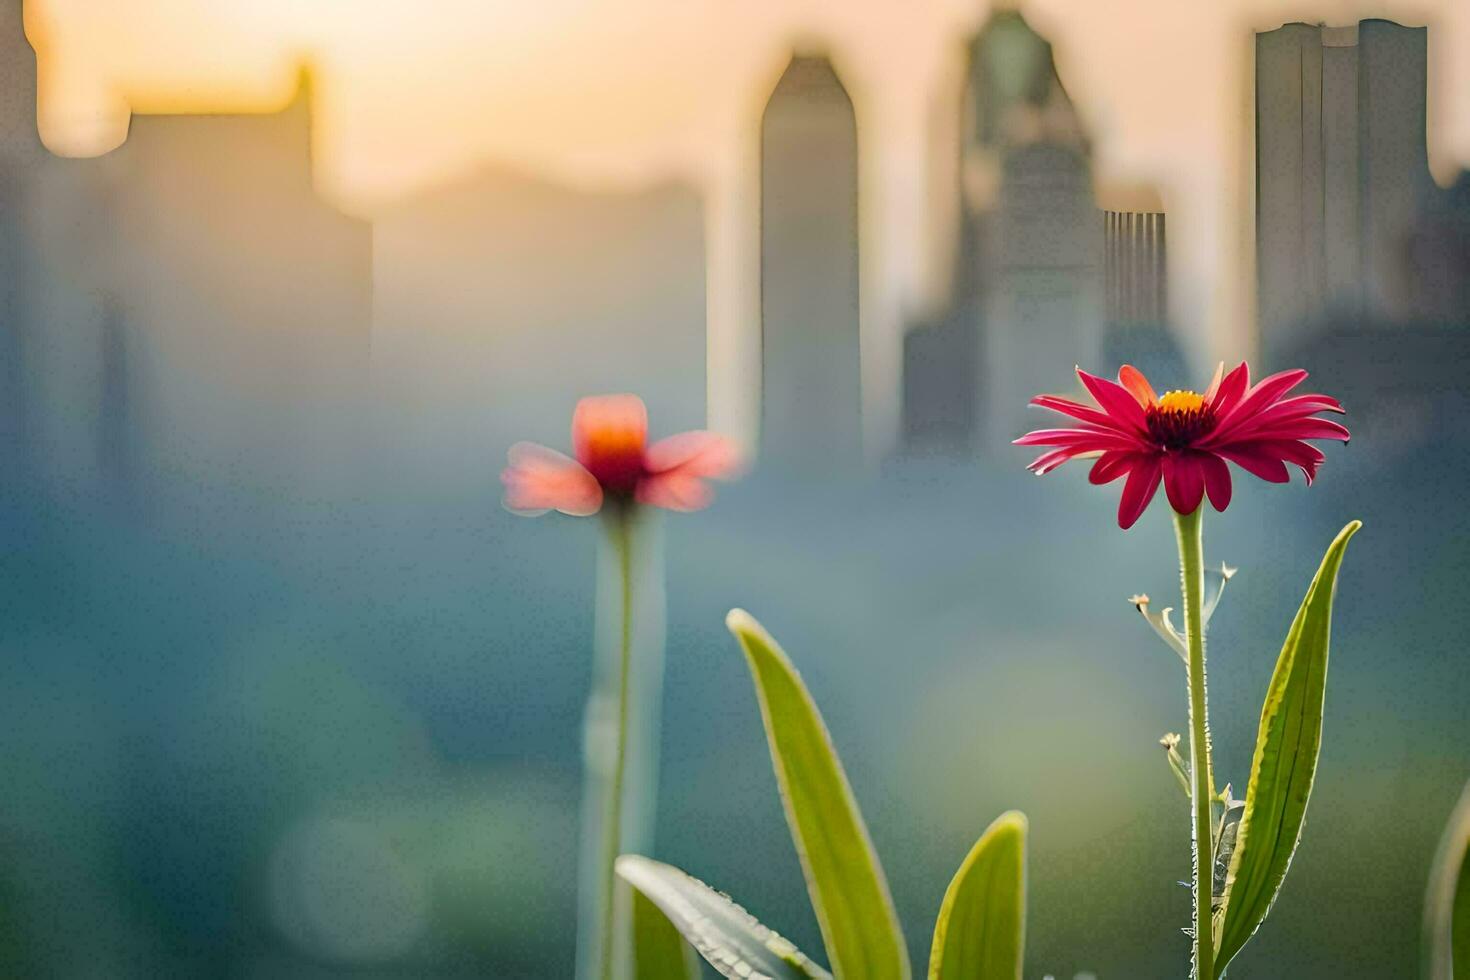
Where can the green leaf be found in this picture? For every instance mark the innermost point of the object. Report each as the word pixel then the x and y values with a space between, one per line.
pixel 1284 765
pixel 1447 905
pixel 727 936
pixel 981 932
pixel 659 950
pixel 848 891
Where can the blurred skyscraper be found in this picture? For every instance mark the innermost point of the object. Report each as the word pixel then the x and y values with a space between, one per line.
pixel 184 310
pixel 245 300
pixel 1344 192
pixel 17 144
pixel 1028 282
pixel 1136 287
pixel 811 399
pixel 1362 260
pixel 51 218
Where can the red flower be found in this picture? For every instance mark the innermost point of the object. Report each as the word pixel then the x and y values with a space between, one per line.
pixel 609 436
pixel 1185 438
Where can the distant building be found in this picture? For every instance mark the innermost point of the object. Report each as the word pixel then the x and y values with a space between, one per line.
pixel 50 222
pixel 1439 256
pixel 1135 286
pixel 14 450
pixel 1350 226
pixel 500 299
pixel 1044 311
pixel 1028 298
pixel 1136 290
pixel 184 310
pixel 941 364
pixel 1363 261
pixel 241 297
pixel 811 414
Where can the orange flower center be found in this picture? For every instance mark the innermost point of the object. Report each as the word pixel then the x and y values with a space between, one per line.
pixel 614 455
pixel 1179 418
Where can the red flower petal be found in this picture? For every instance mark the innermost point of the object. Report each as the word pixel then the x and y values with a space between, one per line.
pixel 1142 484
pixel 1305 457
pixel 1116 401
pixel 1132 379
pixel 1184 481
pixel 1217 480
pixel 1260 397
pixel 1099 439
pixel 1214 385
pixel 1287 410
pixel 540 479
pixel 1314 402
pixel 1077 410
pixel 1256 462
pixel 1230 389
pixel 1049 461
pixel 1111 465
pixel 1305 429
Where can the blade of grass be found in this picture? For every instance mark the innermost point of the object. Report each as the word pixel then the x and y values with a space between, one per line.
pixel 848 891
pixel 659 949
pixel 728 937
pixel 981 932
pixel 1284 766
pixel 1447 905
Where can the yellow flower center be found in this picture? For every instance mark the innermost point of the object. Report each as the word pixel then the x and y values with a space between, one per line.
pixel 1179 418
pixel 1181 401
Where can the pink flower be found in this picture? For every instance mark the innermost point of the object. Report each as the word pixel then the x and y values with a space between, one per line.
pixel 1185 438
pixel 609 437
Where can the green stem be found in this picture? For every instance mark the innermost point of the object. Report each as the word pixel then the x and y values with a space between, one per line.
pixel 620 527
pixel 1187 528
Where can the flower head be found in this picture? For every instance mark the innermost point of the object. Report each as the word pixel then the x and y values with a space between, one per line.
pixel 1185 438
pixel 613 460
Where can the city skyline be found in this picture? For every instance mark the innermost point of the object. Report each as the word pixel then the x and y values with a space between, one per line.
pixel 113 192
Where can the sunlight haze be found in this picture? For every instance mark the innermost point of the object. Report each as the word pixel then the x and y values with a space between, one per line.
pixel 611 96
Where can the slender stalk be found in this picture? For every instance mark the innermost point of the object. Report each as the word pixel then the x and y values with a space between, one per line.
pixel 1187 528
pixel 620 527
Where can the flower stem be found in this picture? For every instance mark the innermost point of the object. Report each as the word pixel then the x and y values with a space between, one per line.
pixel 1187 528
pixel 620 527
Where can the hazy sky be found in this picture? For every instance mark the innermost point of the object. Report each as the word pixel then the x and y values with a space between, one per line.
pixel 604 93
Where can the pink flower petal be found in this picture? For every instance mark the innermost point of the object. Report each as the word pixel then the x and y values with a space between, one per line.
pixel 1287 410
pixel 1214 385
pixel 1099 439
pixel 1305 429
pixel 1132 379
pixel 1077 410
pixel 1302 455
pixel 1217 480
pixel 609 433
pixel 1250 458
pixel 1260 397
pixel 1230 389
pixel 1184 481
pixel 540 479
pixel 698 453
pixel 1142 484
pixel 1116 401
pixel 674 490
pixel 1047 462
pixel 1314 402
pixel 1111 465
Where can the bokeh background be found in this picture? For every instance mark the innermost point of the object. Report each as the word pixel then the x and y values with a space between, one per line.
pixel 285 693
